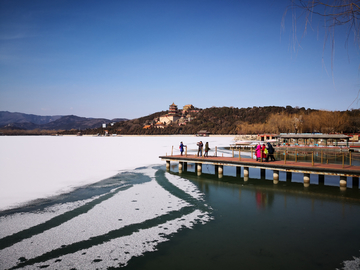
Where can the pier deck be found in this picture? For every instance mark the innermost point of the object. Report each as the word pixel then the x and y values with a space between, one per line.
pixel 306 168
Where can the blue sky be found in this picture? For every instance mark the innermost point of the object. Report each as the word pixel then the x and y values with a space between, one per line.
pixel 132 58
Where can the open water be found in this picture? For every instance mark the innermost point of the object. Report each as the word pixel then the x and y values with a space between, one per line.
pixel 152 219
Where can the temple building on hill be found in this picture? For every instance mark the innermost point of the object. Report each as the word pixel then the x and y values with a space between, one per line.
pixel 172 117
pixel 188 107
pixel 173 109
pixel 175 116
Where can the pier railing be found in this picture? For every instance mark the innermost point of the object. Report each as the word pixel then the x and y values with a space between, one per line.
pixel 348 158
pixel 323 157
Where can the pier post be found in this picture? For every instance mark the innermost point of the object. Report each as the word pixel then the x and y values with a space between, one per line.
pixel 216 169
pixel 343 181
pixel 180 167
pixel 238 171
pixel 168 165
pixel 220 171
pixel 275 176
pixel 185 166
pixel 355 182
pixel 321 179
pixel 312 158
pixel 262 173
pixel 246 172
pixel 198 168
pixel 288 176
pixel 306 179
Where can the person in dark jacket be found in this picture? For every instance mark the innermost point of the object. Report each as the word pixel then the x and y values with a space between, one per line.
pixel 200 149
pixel 270 152
pixel 181 147
pixel 207 148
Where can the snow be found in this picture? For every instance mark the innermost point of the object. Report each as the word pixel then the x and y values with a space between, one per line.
pixel 128 224
pixel 34 167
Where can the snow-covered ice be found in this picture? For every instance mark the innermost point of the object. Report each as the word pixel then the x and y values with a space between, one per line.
pixel 34 167
pixel 129 218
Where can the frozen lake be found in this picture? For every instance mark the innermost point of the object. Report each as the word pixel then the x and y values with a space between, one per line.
pixel 105 203
pixel 34 167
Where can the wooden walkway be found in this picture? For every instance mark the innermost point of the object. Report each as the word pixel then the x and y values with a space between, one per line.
pixel 307 168
pixel 291 166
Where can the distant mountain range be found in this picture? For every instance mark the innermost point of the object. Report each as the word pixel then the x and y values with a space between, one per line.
pixel 10 120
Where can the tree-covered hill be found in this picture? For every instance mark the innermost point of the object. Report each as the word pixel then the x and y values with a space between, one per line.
pixel 223 120
pixel 216 120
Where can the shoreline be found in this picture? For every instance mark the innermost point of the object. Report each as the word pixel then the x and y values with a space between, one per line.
pixel 157 135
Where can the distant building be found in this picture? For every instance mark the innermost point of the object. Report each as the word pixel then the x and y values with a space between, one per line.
pixel 172 117
pixel 265 137
pixel 182 121
pixel 147 127
pixel 173 110
pixel 159 125
pixel 203 133
pixel 188 107
pixel 194 111
pixel 354 137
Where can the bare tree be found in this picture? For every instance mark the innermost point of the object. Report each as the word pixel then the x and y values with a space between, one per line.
pixel 334 13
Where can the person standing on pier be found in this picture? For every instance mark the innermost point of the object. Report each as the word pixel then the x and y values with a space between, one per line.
pixel 258 152
pixel 263 153
pixel 270 152
pixel 181 147
pixel 207 148
pixel 200 145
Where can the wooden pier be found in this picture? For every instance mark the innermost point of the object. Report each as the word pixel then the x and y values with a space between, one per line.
pixel 307 168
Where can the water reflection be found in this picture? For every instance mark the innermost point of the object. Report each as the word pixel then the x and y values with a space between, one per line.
pixel 265 190
pixel 262 225
pixel 264 199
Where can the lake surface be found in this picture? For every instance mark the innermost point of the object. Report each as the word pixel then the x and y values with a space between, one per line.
pixel 152 219
pixel 258 225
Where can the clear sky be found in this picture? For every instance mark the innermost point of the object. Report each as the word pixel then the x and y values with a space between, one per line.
pixel 131 58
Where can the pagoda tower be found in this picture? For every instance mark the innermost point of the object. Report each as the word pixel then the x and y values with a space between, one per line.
pixel 173 110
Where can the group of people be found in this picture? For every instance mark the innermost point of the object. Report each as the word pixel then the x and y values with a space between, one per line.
pixel 261 151
pixel 264 152
pixel 200 149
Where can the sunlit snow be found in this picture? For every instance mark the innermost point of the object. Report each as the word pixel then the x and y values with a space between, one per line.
pixel 36 167
pixel 136 210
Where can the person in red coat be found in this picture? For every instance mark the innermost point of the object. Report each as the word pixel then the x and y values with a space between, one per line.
pixel 263 155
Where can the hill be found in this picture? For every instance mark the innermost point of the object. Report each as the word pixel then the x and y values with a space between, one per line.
pixel 230 120
pixel 216 120
pixel 25 121
pixel 21 121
